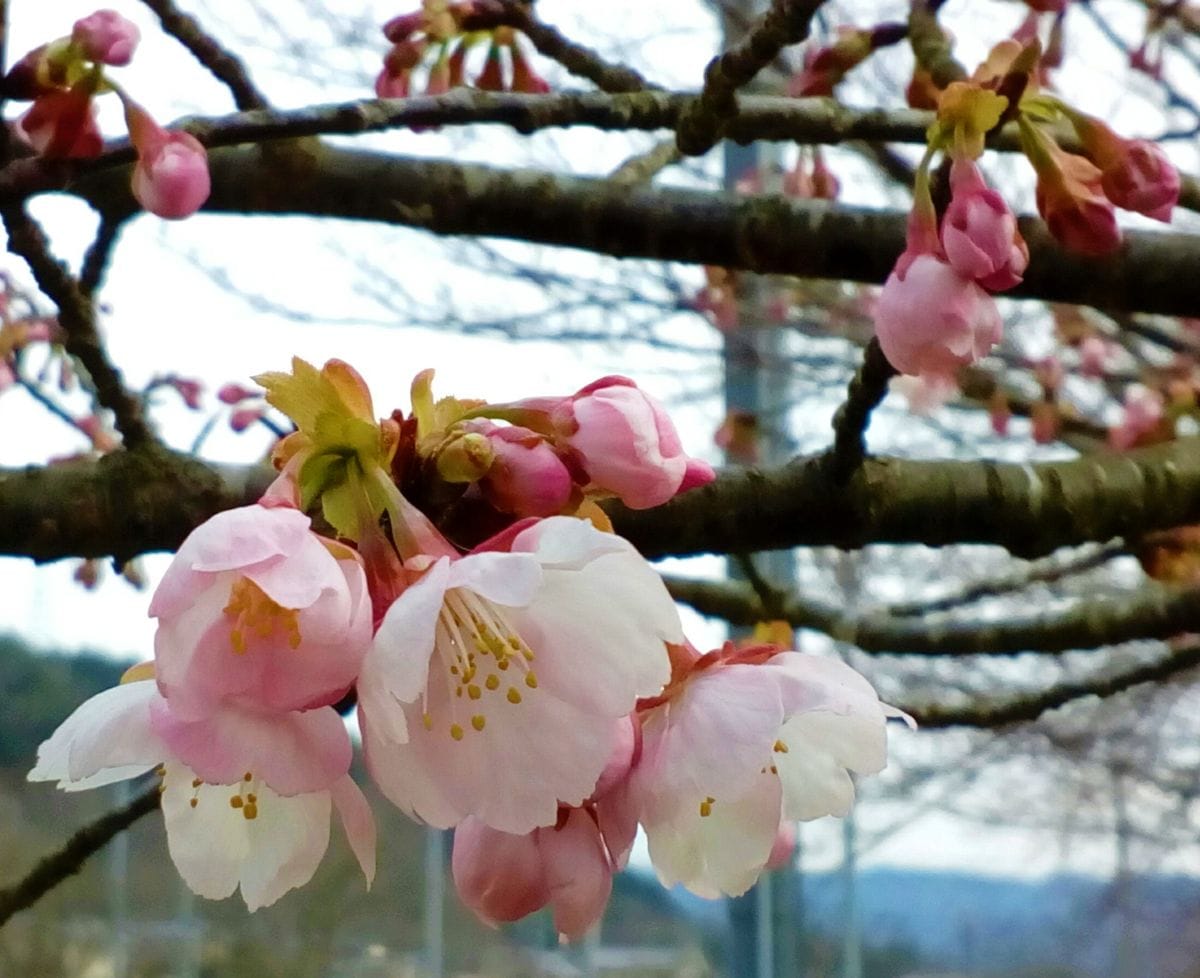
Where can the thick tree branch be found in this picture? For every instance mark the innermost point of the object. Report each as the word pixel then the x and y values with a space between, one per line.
pixel 1152 272
pixel 817 121
pixel 131 502
pixel 70 858
pixel 1152 613
pixel 1031 509
pixel 1030 706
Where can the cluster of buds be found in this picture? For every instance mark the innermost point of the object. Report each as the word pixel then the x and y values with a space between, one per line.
pixel 442 34
pixel 532 689
pixel 61 79
pixel 934 314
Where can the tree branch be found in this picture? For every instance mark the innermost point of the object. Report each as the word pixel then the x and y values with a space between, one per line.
pixel 868 388
pixel 1028 707
pixel 1152 613
pixel 786 23
pixel 77 318
pixel 129 503
pixel 1152 272
pixel 225 66
pixel 68 860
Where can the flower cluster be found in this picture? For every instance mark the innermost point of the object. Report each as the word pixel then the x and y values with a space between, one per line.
pixel 442 34
pixel 62 78
pixel 935 313
pixel 520 673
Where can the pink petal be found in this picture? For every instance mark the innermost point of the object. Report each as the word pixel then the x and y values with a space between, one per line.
pixel 577 873
pixel 359 823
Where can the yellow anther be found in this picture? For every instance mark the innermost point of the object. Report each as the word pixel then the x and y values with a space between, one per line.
pixel 427 720
pixel 474 691
pixel 774 769
pixel 531 680
pixel 502 664
pixel 458 692
pixel 706 808
pixel 492 681
pixel 456 731
pixel 253 612
pixel 454 670
pixel 193 802
pixel 250 812
pixel 478 721
pixel 196 782
pixel 236 801
pixel 514 695
pixel 247 776
pixel 251 798
pixel 780 747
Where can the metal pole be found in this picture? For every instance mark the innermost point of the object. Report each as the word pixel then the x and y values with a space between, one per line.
pixel 852 934
pixel 435 901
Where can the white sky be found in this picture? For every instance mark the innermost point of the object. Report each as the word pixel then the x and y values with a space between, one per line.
pixel 167 315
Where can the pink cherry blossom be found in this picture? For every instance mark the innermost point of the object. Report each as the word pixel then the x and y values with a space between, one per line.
pixel 930 320
pixel 1094 354
pixel 171 177
pixel 106 37
pixel 259 610
pixel 740 741
pixel 246 796
pixel 1142 416
pixel 494 680
pixel 979 232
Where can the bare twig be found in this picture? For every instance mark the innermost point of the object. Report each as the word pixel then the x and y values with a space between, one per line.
pixel 77 318
pixel 1023 709
pixel 787 22
pixel 868 388
pixel 95 262
pixel 68 860
pixel 206 49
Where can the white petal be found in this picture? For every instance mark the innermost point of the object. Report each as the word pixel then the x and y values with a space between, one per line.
pixel 215 846
pixel 598 632
pixel 723 852
pixel 713 738
pixel 821 746
pixel 399 656
pixel 108 738
pixel 506 578
pixel 566 543
pixel 396 769
pixel 359 823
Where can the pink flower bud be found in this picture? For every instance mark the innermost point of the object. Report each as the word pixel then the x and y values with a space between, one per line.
pixel 930 320
pixel 1142 417
pixel 171 177
pixel 106 37
pixel 243 418
pixel 1075 208
pixel 236 393
pixel 62 125
pixel 526 477
pixel 1142 179
pixel 525 79
pixel 979 232
pixel 491 79
pixel 1093 356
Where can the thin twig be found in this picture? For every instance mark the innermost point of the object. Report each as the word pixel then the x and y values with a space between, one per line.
pixel 1023 709
pixel 1040 572
pixel 95 261
pixel 868 387
pixel 206 49
pixel 643 167
pixel 77 319
pixel 68 860
pixel 787 22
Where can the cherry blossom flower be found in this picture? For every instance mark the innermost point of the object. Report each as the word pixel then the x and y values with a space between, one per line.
pixel 1135 174
pixel 257 609
pixel 246 796
pixel 106 37
pixel 171 177
pixel 493 681
pixel 740 741
pixel 930 320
